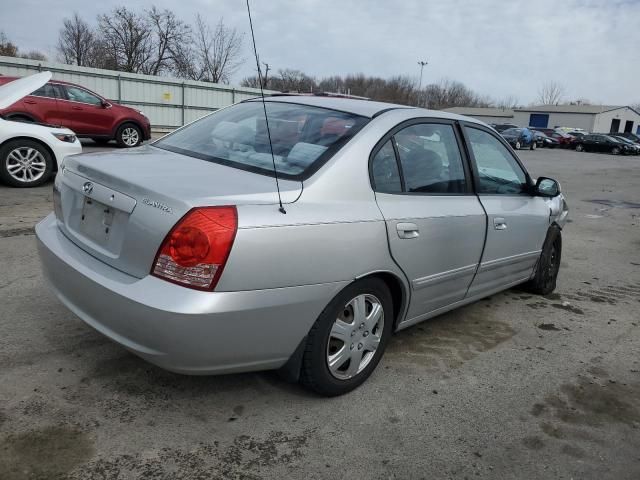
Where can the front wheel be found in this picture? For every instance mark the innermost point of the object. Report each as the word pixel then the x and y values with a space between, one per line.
pixel 579 148
pixel 129 135
pixel 533 146
pixel 615 151
pixel 517 145
pixel 544 280
pixel 25 163
pixel 347 341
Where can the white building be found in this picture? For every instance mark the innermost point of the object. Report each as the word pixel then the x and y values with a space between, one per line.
pixel 592 118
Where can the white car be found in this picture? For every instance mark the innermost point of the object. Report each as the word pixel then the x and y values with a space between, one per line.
pixel 29 152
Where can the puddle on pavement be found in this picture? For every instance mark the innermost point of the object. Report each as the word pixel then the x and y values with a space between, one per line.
pixel 615 203
pixel 47 453
pixel 449 340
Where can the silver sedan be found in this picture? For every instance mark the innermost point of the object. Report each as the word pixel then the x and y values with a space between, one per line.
pixel 180 252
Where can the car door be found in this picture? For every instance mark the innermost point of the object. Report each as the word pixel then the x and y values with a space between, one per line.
pixel 435 224
pixel 86 112
pixel 43 104
pixel 517 220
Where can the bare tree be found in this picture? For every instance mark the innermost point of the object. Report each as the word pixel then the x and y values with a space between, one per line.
pixel 216 53
pixel 551 93
pixel 507 103
pixel 34 55
pixel 170 35
pixel 127 39
pixel 7 48
pixel 76 42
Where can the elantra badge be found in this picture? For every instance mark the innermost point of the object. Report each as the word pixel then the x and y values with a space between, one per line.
pixel 156 204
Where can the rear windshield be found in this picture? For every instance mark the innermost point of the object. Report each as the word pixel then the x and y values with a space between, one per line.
pixel 303 137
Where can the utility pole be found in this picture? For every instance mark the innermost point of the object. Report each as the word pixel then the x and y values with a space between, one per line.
pixel 266 74
pixel 422 64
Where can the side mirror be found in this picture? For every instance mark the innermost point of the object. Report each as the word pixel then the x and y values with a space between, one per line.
pixel 547 187
pixel 106 104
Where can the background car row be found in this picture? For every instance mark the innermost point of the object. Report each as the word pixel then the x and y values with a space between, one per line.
pixel 572 138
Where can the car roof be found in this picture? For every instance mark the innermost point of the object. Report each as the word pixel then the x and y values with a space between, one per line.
pixel 6 78
pixel 364 108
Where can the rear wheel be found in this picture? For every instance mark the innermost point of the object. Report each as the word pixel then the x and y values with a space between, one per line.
pixel 615 150
pixel 517 145
pixel 25 163
pixel 347 341
pixel 533 146
pixel 129 135
pixel 579 148
pixel 544 281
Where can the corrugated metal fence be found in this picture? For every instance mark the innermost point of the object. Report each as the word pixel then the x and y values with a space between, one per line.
pixel 168 102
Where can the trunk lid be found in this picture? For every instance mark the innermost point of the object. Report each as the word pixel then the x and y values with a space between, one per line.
pixel 119 206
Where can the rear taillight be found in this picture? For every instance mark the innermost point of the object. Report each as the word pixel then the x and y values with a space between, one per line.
pixel 196 249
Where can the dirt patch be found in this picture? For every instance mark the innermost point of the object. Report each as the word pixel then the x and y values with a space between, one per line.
pixel 243 459
pixel 450 340
pixel 50 453
pixel 568 308
pixel 615 203
pixel 548 326
pixel 15 232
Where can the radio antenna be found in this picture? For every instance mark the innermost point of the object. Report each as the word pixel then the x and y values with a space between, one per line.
pixel 264 107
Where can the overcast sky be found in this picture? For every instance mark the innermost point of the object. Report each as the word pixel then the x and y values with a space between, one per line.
pixel 496 47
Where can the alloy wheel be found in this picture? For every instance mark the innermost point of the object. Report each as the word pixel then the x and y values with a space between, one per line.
pixel 355 336
pixel 130 137
pixel 26 164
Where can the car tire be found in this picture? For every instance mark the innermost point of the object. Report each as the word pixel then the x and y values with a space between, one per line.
pixel 517 145
pixel 129 135
pixel 579 148
pixel 25 163
pixel 615 151
pixel 533 146
pixel 341 335
pixel 544 280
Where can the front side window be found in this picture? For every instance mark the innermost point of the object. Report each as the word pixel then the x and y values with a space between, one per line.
pixel 82 96
pixel 303 137
pixel 498 172
pixel 430 159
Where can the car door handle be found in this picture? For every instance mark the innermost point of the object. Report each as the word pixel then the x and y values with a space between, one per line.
pixel 30 102
pixel 76 108
pixel 499 223
pixel 407 230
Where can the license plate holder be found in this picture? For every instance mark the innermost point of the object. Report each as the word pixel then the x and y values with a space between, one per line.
pixel 96 220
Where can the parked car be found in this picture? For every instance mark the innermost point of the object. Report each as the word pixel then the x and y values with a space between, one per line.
pixel 635 146
pixel 603 143
pixel 181 251
pixel 30 153
pixel 520 138
pixel 634 137
pixel 571 129
pixel 543 141
pixel 83 111
pixel 501 127
pixel 546 131
pixel 564 140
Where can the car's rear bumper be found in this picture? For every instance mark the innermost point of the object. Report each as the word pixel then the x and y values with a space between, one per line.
pixel 176 328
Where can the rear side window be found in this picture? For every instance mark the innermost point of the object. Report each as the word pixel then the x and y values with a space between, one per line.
pixel 47 91
pixel 384 168
pixel 303 137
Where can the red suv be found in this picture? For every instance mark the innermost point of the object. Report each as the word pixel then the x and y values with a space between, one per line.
pixel 83 111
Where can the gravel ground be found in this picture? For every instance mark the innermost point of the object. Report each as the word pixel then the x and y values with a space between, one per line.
pixel 514 386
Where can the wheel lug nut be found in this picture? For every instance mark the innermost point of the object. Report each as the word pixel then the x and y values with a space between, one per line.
pixel 365 333
pixel 352 345
pixel 359 346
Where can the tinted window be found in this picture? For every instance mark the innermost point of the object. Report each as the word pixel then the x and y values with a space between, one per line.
pixel 498 171
pixel 303 137
pixel 80 95
pixel 47 90
pixel 384 167
pixel 430 159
